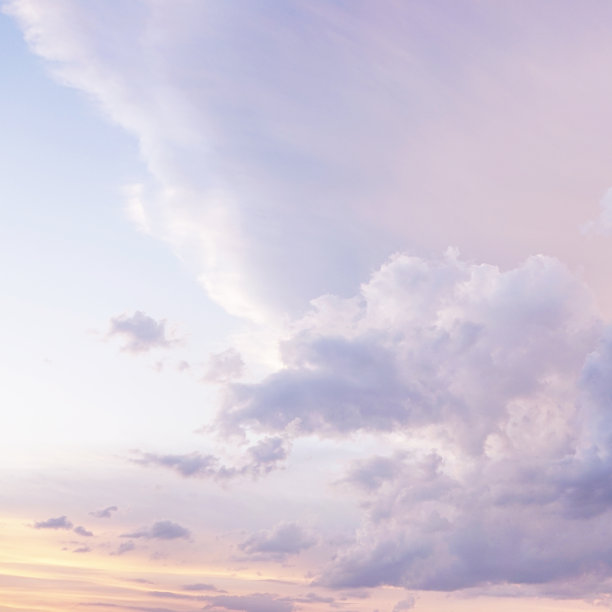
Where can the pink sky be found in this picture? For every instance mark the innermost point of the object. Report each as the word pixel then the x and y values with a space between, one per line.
pixel 307 306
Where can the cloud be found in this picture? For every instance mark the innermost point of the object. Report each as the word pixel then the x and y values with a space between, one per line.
pixel 225 366
pixel 497 382
pixel 494 379
pixel 162 530
pixel 405 604
pixel 171 595
pixel 259 459
pixel 191 464
pixel 100 604
pixel 201 586
pixel 371 473
pixel 60 522
pixel 82 549
pixel 82 531
pixel 124 547
pixel 104 512
pixel 258 602
pixel 278 543
pixel 413 348
pixel 141 332
pixel 249 174
pixel 313 598
pixel 603 224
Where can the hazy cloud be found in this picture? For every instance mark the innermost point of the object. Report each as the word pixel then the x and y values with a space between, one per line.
pixel 124 547
pixel 225 366
pixel 603 224
pixel 276 544
pixel 405 604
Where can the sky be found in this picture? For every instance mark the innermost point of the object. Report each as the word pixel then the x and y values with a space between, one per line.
pixel 306 306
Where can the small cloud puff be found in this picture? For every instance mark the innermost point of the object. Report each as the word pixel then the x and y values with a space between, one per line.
pixel 141 332
pixel 105 512
pixel 82 531
pixel 82 549
pixel 162 530
pixel 60 522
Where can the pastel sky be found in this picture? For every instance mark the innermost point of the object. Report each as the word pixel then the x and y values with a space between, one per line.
pixel 306 305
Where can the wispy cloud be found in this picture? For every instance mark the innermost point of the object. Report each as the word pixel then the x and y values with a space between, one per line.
pixel 259 459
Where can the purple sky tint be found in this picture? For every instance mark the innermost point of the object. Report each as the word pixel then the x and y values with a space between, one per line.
pixel 318 315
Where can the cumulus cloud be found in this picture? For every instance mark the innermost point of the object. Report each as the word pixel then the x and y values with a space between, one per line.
pixel 498 382
pixel 225 366
pixel 162 530
pixel 60 522
pixel 258 602
pixel 141 332
pixel 278 543
pixel 104 512
pixel 414 348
